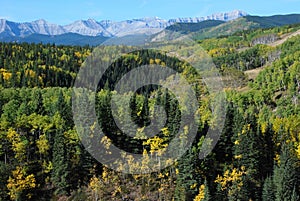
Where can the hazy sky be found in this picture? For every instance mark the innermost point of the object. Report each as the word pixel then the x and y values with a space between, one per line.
pixel 66 11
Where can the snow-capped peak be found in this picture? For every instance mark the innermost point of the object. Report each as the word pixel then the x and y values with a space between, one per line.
pixel 91 27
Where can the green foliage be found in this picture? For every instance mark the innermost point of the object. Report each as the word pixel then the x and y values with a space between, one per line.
pixel 286 177
pixel 37 65
pixel 268 190
pixel 257 156
pixel 60 173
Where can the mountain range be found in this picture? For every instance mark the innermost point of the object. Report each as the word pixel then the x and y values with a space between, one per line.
pixel 92 32
pixel 104 28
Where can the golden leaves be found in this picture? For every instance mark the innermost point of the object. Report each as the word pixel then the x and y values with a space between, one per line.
pixel 19 182
pixel 42 144
pixel 201 194
pixel 231 180
pixel 18 144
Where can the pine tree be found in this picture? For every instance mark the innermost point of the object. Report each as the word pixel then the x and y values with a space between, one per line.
pixel 187 178
pixel 133 108
pixel 144 116
pixel 207 196
pixel 38 102
pixel 295 196
pixel 60 160
pixel 286 174
pixel 268 190
pixel 60 172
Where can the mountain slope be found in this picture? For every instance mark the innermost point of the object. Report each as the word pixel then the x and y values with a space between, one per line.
pixel 194 27
pixel 276 20
pixel 24 29
pixel 63 39
pixel 88 28
pixel 245 23
pixel 105 28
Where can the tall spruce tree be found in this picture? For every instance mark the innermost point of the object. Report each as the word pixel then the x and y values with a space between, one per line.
pixel 60 172
pixel 286 174
pixel 268 193
pixel 60 160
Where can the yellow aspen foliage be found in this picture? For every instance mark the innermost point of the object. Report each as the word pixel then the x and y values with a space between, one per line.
pixel 277 158
pixel 47 166
pixel 87 53
pixel 94 183
pixel 96 188
pixel 64 57
pixel 6 76
pixel 2 70
pixel 157 61
pixel 298 151
pixel 77 54
pixel 42 66
pixel 156 145
pixel 263 127
pixel 151 61
pixel 238 156
pixel 165 131
pixel 201 194
pixel 20 182
pixel 106 142
pixel 231 180
pixel 193 186
pixel 30 73
pixel 277 124
pixel 43 144
pixel 55 69
pixel 18 145
pixel 105 174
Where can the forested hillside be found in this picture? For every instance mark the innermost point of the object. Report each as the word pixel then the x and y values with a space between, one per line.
pixel 256 158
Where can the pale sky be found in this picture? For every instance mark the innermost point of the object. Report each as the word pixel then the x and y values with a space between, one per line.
pixel 66 11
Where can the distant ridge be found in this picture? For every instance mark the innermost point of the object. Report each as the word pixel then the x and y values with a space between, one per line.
pixel 275 20
pixel 214 28
pixel 91 32
pixel 106 28
pixel 194 27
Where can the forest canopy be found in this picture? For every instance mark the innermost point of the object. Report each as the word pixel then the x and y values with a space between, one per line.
pixel 256 158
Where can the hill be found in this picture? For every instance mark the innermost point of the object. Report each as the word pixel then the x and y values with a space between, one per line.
pixel 63 39
pixel 243 24
pixel 194 27
pixel 273 21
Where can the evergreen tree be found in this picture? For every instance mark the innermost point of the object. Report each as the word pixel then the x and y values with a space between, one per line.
pixel 295 196
pixel 268 190
pixel 286 174
pixel 60 160
pixel 144 119
pixel 38 102
pixel 60 172
pixel 207 196
pixel 133 108
pixel 187 176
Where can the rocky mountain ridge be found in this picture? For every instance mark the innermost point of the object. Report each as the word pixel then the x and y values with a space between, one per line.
pixel 106 28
